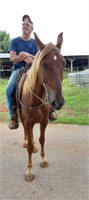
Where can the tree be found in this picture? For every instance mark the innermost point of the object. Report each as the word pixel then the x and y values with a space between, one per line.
pixel 4 41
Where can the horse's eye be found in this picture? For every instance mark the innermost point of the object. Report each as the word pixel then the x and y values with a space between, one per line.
pixel 45 66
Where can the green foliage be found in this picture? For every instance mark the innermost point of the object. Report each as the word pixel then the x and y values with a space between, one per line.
pixel 4 41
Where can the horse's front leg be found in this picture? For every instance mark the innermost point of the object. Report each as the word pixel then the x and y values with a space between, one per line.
pixel 25 144
pixel 25 134
pixel 29 176
pixel 43 162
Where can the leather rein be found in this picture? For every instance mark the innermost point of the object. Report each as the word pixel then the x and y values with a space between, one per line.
pixel 43 102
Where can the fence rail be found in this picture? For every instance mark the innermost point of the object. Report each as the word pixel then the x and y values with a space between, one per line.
pixel 79 78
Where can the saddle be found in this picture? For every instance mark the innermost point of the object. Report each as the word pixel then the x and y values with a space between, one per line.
pixel 19 85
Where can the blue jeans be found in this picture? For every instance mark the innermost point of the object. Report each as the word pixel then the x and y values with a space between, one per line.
pixel 10 89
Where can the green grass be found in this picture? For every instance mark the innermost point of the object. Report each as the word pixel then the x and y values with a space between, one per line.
pixel 75 110
pixel 3 83
pixel 3 115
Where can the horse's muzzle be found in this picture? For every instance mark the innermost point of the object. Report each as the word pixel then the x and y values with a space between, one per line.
pixel 57 105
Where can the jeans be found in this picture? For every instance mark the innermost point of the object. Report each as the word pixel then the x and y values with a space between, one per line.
pixel 10 89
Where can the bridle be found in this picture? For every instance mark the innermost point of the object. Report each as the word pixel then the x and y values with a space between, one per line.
pixel 44 101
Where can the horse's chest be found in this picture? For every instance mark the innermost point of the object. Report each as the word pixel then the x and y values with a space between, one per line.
pixel 36 115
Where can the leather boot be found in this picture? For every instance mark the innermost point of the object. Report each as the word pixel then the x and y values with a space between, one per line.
pixel 52 115
pixel 14 124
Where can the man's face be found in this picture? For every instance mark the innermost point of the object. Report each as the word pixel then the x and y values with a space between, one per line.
pixel 27 27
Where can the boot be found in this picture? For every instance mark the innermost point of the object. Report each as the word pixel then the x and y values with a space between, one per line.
pixel 14 124
pixel 52 114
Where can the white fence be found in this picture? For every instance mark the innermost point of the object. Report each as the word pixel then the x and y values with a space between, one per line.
pixel 79 78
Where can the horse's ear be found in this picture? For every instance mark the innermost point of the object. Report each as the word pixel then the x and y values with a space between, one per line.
pixel 59 40
pixel 38 41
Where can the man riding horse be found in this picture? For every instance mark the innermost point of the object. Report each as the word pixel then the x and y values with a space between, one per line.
pixel 22 52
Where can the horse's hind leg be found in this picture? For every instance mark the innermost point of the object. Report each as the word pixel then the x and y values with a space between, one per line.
pixel 43 162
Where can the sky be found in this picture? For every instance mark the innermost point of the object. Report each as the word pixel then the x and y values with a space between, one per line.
pixel 50 17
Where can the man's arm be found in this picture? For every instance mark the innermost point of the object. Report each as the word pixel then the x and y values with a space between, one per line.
pixel 21 56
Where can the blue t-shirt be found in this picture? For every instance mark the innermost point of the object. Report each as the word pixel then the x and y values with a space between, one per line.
pixel 18 45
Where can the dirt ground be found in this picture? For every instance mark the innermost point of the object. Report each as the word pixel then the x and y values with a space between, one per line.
pixel 67 176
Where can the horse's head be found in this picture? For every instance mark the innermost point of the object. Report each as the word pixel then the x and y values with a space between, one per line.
pixel 52 67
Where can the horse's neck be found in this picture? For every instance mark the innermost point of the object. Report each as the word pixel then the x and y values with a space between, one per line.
pixel 39 89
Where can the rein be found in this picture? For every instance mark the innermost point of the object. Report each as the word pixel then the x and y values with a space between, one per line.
pixel 43 102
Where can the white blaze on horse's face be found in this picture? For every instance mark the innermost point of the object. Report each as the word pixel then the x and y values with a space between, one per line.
pixel 55 57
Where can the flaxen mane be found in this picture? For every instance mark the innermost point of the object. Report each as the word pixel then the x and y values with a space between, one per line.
pixel 32 74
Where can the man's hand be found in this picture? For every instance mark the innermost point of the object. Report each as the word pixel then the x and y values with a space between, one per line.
pixel 23 55
pixel 28 59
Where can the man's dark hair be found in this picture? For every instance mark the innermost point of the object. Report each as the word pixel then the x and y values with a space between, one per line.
pixel 27 16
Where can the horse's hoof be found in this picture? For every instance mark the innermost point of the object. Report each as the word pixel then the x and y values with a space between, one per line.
pixel 44 164
pixel 35 150
pixel 29 178
pixel 25 145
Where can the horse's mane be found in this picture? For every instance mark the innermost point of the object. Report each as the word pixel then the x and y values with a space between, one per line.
pixel 32 73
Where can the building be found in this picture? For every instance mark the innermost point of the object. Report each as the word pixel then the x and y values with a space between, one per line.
pixel 73 62
pixel 5 65
pixel 77 62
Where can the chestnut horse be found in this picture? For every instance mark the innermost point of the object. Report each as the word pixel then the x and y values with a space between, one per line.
pixel 44 78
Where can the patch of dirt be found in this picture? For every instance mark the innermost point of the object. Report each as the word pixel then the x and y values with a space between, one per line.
pixel 3 109
pixel 68 111
pixel 86 111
